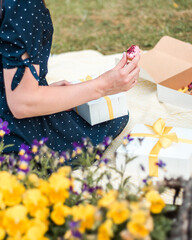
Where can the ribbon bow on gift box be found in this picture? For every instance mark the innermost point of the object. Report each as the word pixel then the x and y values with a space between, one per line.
pixel 165 141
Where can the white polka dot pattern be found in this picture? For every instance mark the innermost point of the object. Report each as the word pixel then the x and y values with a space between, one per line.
pixel 27 27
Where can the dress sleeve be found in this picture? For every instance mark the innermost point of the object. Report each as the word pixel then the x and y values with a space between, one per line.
pixel 21 32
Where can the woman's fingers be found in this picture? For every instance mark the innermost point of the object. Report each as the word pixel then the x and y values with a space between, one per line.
pixel 122 62
pixel 61 83
pixel 132 78
pixel 132 65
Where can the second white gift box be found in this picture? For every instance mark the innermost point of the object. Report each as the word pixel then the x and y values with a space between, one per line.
pixel 103 109
pixel 177 156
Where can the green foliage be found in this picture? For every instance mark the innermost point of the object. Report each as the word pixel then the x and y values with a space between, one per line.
pixel 162 223
pixel 111 26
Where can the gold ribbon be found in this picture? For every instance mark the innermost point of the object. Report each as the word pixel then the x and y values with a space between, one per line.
pixel 108 100
pixel 165 141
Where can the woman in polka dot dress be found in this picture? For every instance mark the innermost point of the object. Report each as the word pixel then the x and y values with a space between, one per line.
pixel 35 109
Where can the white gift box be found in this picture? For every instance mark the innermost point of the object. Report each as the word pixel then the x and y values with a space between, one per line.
pixel 103 109
pixel 177 157
pixel 169 65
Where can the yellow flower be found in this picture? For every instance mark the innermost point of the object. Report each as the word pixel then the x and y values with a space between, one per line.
pixel 108 199
pixel 33 178
pixel 125 235
pixel 44 186
pixel 85 214
pixel 68 235
pixel 21 175
pixel 59 213
pixel 119 212
pixel 137 230
pixel 73 154
pixel 61 159
pixel 34 149
pixel 34 200
pixel 11 189
pixel 15 220
pixel 2 133
pixel 100 192
pixel 2 204
pixel 64 171
pixel 142 204
pixel 42 215
pixel 2 230
pixel 58 188
pixel 36 231
pixel 37 158
pixel 2 233
pixel 139 216
pixel 157 203
pixel 125 142
pixel 105 231
pixel 23 165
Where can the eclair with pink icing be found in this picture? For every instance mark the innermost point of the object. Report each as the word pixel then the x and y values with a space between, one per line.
pixel 132 52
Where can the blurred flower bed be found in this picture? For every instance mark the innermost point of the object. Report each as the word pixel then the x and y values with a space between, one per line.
pixel 41 199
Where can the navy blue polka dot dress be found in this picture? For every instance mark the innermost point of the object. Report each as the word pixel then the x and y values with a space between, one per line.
pixel 26 26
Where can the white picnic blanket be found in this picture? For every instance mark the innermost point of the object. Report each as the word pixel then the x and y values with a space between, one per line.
pixel 142 100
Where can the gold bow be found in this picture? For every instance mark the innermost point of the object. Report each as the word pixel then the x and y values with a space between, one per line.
pixel 165 141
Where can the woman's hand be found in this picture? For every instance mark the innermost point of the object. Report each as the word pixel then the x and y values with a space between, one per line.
pixel 60 83
pixel 121 78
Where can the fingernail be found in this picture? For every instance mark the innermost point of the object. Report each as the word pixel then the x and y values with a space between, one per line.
pixel 123 54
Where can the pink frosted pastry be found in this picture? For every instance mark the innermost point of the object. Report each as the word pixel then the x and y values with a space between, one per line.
pixel 132 52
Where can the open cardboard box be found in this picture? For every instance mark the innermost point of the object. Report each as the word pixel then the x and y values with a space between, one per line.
pixel 169 64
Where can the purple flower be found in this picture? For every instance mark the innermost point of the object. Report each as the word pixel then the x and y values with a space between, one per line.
pixel 2 159
pixel 3 128
pixel 72 191
pixel 66 155
pixel 161 164
pixel 74 229
pixel 87 188
pixel 76 234
pixel 35 142
pixel 144 181
pixel 24 149
pixel 85 141
pixel 98 155
pixel 25 157
pixel 142 167
pixel 84 187
pixel 104 161
pixel 73 224
pixel 12 162
pixel 101 147
pixel 129 138
pixel 107 141
pixel 42 141
pixel 76 144
pixel 23 165
pixel 21 173
pixel 90 148
pixel 35 146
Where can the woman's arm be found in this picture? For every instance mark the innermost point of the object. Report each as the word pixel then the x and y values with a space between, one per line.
pixel 29 99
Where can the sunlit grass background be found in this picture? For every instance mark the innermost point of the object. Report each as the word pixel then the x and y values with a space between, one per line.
pixel 110 26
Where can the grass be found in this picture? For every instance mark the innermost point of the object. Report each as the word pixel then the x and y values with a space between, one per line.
pixel 110 26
